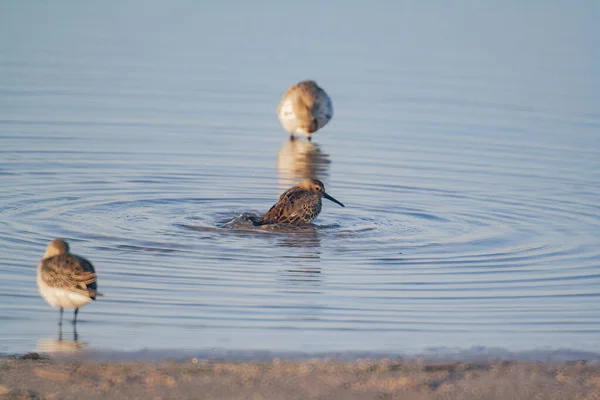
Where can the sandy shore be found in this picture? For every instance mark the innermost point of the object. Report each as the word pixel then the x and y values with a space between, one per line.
pixel 31 377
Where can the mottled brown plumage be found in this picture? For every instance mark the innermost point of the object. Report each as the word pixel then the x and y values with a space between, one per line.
pixel 298 205
pixel 70 272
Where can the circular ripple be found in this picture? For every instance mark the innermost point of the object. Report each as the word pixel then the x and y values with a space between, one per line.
pixel 441 239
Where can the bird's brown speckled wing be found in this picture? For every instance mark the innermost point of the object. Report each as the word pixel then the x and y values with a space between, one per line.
pixel 295 206
pixel 70 272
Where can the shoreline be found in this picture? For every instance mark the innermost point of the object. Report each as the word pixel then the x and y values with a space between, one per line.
pixel 38 376
pixel 68 350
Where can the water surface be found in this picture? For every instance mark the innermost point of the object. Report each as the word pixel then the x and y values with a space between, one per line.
pixel 465 146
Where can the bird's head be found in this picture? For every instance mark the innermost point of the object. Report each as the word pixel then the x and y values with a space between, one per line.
pixel 315 185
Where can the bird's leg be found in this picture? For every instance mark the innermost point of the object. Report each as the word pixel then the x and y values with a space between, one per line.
pixel 60 333
pixel 75 316
pixel 75 335
pixel 310 138
pixel 60 318
pixel 292 137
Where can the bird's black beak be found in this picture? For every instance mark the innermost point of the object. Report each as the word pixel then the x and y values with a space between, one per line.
pixel 328 197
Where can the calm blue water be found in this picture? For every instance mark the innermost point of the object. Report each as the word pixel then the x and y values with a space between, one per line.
pixel 465 145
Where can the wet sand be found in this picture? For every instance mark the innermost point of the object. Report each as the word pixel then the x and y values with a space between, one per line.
pixel 35 377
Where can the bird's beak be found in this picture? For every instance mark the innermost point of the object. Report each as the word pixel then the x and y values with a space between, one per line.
pixel 328 197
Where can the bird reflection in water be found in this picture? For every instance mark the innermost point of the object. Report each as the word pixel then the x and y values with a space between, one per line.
pixel 61 345
pixel 298 160
pixel 301 266
pixel 301 237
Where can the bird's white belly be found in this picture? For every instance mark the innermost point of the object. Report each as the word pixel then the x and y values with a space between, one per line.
pixel 289 121
pixel 57 297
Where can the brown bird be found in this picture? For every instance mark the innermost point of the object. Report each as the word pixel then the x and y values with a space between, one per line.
pixel 297 205
pixel 304 109
pixel 65 279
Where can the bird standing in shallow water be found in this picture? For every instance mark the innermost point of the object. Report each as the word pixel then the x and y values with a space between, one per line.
pixel 304 109
pixel 66 280
pixel 298 205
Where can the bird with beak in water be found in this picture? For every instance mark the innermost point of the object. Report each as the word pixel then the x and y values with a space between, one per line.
pixel 297 205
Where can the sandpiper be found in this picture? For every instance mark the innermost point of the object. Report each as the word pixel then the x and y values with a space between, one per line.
pixel 297 205
pixel 66 280
pixel 304 109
